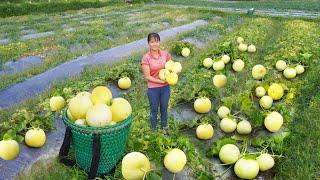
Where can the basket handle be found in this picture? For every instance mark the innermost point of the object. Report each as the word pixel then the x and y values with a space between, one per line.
pixel 64 150
pixel 65 147
pixel 96 145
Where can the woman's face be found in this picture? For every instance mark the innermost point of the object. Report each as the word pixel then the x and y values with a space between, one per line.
pixel 154 44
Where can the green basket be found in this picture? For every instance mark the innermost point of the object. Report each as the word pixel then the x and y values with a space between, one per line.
pixel 112 143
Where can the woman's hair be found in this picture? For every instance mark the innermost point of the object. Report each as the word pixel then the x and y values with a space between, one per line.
pixel 155 36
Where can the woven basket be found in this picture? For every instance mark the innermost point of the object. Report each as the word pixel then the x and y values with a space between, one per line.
pixel 112 138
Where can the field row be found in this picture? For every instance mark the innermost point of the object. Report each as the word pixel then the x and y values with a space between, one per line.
pixel 293 41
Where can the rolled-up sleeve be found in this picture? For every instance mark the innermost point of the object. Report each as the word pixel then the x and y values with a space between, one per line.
pixel 145 61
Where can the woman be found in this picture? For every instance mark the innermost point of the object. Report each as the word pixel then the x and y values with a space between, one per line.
pixel 158 90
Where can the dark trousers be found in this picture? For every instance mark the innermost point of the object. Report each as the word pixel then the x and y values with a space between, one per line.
pixel 158 96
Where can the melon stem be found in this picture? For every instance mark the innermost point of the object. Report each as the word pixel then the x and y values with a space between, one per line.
pixel 145 173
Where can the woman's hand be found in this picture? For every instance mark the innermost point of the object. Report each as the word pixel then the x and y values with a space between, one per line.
pixel 146 72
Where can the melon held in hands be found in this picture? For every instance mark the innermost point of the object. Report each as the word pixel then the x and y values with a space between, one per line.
pixel 124 83
pixel 172 78
pixel 175 160
pixel 202 105
pixel 163 74
pixel 177 68
pixel 35 137
pixel 121 109
pixel 169 65
pixel 135 166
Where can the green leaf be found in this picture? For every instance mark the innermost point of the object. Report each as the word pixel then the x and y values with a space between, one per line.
pixel 228 101
pixel 257 142
pixel 278 138
pixel 239 137
pixel 27 115
pixel 214 151
pixel 202 175
pixel 21 126
pixel 250 156
pixel 19 138
pixel 306 56
pixel 10 134
pixel 153 176
pixel 180 45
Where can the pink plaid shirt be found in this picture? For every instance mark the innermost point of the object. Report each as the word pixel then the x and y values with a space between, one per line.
pixel 155 64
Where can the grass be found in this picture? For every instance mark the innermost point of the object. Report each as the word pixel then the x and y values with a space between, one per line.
pixel 18 8
pixel 302 156
pixel 88 38
pixel 313 6
pixel 56 169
